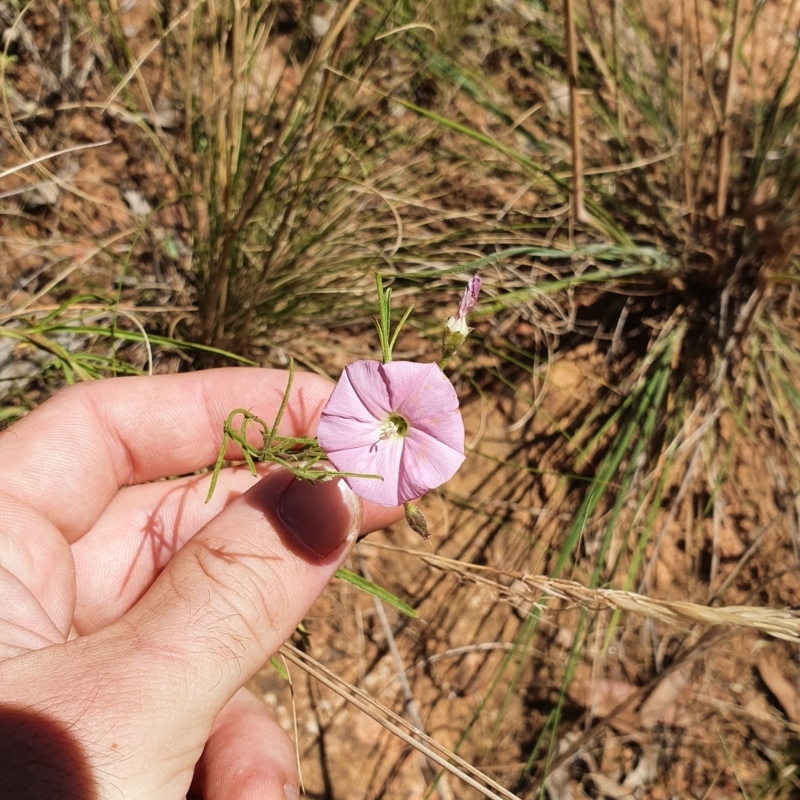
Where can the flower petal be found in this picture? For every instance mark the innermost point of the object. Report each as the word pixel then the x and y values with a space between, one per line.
pixel 418 390
pixel 382 459
pixel 427 463
pixel 470 296
pixel 360 393
pixel 355 410
pixel 336 433
pixel 429 402
pixel 368 382
pixel 446 427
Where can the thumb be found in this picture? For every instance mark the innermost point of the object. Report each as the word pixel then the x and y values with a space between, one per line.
pixel 237 590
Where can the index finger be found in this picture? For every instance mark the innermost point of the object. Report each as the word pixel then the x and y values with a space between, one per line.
pixel 68 458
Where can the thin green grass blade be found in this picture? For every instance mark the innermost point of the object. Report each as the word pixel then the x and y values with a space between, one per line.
pixel 363 585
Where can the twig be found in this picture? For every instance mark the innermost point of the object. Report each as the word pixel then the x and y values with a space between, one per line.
pixel 145 337
pixel 617 168
pixel 706 77
pixel 66 44
pixel 136 66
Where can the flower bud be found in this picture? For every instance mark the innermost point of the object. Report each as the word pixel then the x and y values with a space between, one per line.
pixel 455 332
pixel 456 329
pixel 416 520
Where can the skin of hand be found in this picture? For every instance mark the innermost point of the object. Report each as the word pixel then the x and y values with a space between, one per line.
pixel 132 613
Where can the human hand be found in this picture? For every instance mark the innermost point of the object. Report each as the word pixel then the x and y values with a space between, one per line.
pixel 132 613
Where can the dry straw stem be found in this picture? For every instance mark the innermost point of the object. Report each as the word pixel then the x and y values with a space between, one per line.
pixel 48 156
pixel 686 150
pixel 578 208
pixel 396 725
pixel 774 622
pixel 724 153
pixel 427 768
pixel 135 70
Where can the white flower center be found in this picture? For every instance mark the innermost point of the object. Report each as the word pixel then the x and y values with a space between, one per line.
pixel 394 425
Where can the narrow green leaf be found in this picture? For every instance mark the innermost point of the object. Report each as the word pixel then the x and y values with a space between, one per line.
pixel 376 591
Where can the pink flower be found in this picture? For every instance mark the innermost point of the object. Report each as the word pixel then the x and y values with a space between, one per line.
pixel 398 420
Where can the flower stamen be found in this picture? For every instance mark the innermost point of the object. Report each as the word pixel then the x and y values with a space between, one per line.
pixel 394 425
